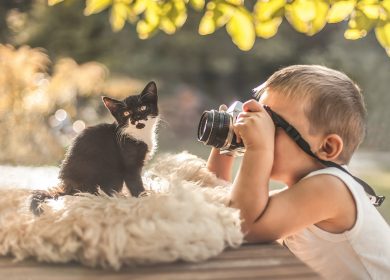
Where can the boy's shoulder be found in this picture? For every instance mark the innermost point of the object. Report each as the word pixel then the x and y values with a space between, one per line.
pixel 333 195
pixel 326 186
pixel 322 180
pixel 323 186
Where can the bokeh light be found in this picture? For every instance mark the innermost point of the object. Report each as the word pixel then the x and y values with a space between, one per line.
pixel 78 126
pixel 61 115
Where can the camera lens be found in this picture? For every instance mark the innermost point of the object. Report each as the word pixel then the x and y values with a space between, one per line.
pixel 214 128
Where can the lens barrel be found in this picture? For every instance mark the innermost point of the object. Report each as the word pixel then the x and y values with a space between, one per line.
pixel 214 127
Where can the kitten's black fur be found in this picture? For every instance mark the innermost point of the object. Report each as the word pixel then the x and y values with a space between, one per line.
pixel 106 155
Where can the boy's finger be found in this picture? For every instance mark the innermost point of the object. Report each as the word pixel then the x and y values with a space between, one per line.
pixel 241 116
pixel 237 133
pixel 252 106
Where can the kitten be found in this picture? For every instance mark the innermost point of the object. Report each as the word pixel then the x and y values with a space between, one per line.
pixel 106 155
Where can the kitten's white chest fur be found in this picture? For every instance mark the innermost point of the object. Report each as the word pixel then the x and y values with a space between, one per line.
pixel 147 135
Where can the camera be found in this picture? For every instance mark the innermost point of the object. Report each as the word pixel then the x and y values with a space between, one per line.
pixel 216 129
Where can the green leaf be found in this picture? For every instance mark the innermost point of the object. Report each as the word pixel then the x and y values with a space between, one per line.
pixel 173 16
pixel 354 34
pixel 207 24
pixel 322 9
pixel 268 29
pixel 241 29
pixel 178 13
pixel 359 25
pixel 382 32
pixel 131 15
pixel 371 11
pixel 197 4
pixel 305 10
pixel 218 14
pixel 223 13
pixel 145 30
pixel 294 20
pixel 340 10
pixel 139 6
pixel 167 26
pixel 152 13
pixel 386 6
pixel 235 2
pixel 265 10
pixel 96 6
pixel 307 16
pixel 119 15
pixel 54 2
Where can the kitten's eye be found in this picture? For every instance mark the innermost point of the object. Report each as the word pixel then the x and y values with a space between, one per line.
pixel 143 108
pixel 126 113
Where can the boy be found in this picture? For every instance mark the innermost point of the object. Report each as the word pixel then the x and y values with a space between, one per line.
pixel 323 216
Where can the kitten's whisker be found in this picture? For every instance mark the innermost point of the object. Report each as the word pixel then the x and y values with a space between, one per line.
pixel 163 122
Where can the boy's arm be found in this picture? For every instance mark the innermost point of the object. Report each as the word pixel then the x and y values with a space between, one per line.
pixel 315 199
pixel 220 165
pixel 250 188
pixel 310 201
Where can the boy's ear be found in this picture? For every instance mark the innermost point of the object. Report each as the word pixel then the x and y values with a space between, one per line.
pixel 331 147
pixel 111 104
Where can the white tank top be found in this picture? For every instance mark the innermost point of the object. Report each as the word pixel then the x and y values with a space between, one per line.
pixel 360 253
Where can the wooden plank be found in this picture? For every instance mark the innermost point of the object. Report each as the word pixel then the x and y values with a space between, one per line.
pixel 250 258
pixel 65 273
pixel 219 265
pixel 255 251
pixel 266 261
pixel 178 266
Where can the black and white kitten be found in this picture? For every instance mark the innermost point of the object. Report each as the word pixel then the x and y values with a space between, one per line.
pixel 106 155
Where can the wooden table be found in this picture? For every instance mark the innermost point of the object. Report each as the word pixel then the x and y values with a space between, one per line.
pixel 264 261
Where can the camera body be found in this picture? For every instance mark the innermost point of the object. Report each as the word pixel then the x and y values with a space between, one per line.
pixel 216 129
pixel 235 109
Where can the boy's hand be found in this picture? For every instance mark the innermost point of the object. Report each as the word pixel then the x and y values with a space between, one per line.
pixel 254 127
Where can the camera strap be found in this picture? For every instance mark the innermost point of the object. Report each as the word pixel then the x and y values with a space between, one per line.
pixel 375 199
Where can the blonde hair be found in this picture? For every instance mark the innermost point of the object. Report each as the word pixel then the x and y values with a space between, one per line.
pixel 334 103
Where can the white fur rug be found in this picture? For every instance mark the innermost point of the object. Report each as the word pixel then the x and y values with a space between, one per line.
pixel 183 217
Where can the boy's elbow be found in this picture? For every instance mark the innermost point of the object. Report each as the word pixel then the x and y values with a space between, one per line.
pixel 254 233
pixel 253 237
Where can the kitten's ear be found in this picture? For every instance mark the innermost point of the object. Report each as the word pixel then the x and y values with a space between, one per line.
pixel 150 91
pixel 111 104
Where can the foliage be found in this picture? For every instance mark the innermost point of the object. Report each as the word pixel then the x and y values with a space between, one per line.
pixel 38 112
pixel 244 24
pixel 363 64
pixel 23 85
pixel 212 67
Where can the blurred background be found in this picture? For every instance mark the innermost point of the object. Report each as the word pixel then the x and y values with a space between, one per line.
pixel 55 63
